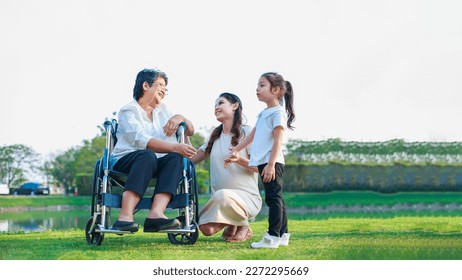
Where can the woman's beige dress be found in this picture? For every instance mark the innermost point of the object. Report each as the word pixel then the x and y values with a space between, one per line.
pixel 235 196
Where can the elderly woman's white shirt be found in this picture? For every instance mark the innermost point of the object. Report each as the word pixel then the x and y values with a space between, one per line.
pixel 136 129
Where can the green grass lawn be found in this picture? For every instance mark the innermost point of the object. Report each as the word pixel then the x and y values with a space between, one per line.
pixel 400 238
pixel 43 201
pixel 404 236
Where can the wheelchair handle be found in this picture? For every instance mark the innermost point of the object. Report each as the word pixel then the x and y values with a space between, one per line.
pixel 111 128
pixel 112 124
pixel 181 132
pixel 106 124
pixel 182 127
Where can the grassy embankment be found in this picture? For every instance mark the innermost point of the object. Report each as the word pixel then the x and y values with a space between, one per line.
pixel 292 199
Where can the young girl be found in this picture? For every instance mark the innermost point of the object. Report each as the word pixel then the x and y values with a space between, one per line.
pixel 267 154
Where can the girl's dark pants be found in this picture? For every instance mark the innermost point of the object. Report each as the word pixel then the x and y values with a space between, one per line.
pixel 277 219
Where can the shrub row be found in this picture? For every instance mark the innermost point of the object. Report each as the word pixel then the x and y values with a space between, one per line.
pixel 381 178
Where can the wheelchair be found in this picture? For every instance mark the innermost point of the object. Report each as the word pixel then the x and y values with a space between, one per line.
pixel 108 186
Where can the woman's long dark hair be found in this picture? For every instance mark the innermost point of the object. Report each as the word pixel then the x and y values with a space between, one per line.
pixel 237 123
pixel 276 80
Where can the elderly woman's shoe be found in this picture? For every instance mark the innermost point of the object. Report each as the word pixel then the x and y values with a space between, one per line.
pixel 155 225
pixel 125 226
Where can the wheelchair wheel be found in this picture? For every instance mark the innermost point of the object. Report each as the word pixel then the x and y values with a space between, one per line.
pixel 93 238
pixel 185 238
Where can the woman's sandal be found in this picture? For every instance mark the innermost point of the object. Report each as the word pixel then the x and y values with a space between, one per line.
pixel 247 236
pixel 228 232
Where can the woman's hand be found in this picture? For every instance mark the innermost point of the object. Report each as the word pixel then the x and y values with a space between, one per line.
pixel 233 152
pixel 233 158
pixel 185 150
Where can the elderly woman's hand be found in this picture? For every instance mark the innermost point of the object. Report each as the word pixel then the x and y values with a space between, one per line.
pixel 172 125
pixel 185 150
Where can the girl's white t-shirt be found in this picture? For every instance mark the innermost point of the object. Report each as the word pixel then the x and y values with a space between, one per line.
pixel 263 140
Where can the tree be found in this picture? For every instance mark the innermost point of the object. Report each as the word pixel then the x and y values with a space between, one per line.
pixel 15 162
pixel 62 168
pixel 85 161
pixel 197 140
pixel 74 167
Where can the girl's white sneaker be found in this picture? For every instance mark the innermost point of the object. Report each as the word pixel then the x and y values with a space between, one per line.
pixel 268 241
pixel 284 239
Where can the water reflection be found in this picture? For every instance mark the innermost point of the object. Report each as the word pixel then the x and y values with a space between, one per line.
pixel 25 225
pixel 56 219
pixel 41 221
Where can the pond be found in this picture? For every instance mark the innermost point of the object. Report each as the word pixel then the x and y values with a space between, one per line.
pixel 56 218
pixel 65 217
pixel 40 220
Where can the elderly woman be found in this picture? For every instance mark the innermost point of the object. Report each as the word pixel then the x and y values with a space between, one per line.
pixel 235 196
pixel 147 148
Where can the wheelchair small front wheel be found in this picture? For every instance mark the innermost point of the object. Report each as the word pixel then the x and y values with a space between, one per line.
pixel 93 238
pixel 188 238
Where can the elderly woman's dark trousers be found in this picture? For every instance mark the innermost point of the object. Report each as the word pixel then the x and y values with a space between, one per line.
pixel 143 165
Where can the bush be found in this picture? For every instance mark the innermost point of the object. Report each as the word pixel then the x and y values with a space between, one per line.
pixel 203 182
pixel 373 177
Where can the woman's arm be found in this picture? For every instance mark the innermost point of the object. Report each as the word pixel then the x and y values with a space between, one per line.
pixel 199 156
pixel 244 162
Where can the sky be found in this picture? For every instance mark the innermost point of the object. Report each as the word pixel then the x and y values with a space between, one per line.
pixel 361 70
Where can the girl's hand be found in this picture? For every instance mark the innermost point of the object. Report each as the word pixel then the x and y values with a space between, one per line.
pixel 233 151
pixel 233 158
pixel 269 173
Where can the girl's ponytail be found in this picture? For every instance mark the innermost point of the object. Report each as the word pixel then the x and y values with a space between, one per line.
pixel 289 101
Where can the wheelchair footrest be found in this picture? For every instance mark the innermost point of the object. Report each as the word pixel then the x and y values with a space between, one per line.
pixel 114 231
pixel 115 200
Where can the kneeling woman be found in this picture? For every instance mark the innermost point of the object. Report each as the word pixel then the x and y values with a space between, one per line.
pixel 235 196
